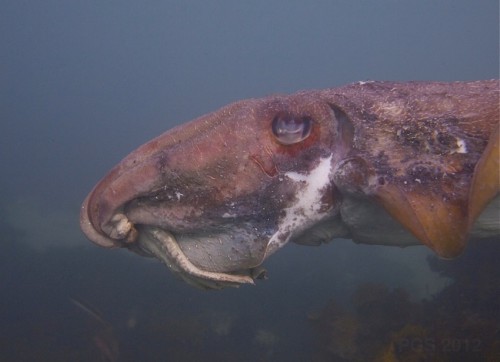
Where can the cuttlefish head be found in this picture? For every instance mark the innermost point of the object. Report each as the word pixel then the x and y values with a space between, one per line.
pixel 213 198
pixel 379 162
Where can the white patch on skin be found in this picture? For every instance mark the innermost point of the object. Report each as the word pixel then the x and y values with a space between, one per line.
pixel 394 109
pixel 461 146
pixel 179 195
pixel 306 210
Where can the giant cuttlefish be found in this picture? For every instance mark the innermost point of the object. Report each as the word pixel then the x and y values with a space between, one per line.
pixel 378 162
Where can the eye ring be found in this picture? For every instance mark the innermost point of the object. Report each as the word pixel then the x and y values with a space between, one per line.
pixel 289 129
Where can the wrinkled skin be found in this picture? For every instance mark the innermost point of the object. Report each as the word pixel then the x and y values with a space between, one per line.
pixel 378 162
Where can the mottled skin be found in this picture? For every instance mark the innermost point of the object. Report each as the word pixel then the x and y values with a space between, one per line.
pixel 378 162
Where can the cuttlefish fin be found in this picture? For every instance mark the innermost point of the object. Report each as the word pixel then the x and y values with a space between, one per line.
pixel 439 224
pixel 486 180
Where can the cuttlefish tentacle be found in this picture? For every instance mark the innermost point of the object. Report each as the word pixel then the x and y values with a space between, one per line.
pixel 441 225
pixel 165 247
pixel 486 179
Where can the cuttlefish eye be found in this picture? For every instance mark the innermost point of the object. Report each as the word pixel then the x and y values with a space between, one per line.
pixel 289 129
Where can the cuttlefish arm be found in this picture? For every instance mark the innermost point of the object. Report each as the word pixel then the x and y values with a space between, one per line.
pixel 378 162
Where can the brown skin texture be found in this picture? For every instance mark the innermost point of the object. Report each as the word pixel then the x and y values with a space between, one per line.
pixel 408 139
pixel 425 152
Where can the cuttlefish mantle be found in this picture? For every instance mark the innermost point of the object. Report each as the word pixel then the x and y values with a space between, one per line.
pixel 378 162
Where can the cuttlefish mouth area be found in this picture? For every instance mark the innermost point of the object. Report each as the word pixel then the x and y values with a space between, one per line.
pixel 212 255
pixel 208 237
pixel 209 240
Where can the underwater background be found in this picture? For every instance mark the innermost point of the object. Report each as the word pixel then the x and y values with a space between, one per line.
pixel 84 83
